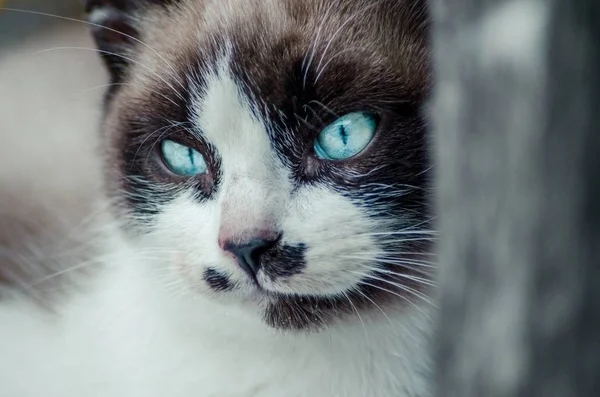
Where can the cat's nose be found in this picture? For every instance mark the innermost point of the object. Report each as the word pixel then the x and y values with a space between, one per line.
pixel 248 253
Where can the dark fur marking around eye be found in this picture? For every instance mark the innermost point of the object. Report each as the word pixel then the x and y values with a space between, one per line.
pixel 382 74
pixel 149 184
pixel 283 261
pixel 392 173
pixel 216 280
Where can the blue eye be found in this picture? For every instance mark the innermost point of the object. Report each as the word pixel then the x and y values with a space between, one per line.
pixel 182 160
pixel 346 137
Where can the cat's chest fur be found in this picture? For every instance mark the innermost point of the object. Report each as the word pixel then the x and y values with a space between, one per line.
pixel 128 337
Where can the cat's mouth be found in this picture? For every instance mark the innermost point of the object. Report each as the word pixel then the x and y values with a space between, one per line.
pixel 286 311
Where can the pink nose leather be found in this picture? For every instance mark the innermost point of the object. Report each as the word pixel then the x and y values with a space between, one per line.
pixel 230 237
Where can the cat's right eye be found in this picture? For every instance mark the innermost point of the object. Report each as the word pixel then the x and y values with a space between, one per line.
pixel 182 160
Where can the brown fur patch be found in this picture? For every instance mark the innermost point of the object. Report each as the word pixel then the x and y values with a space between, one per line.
pixel 302 63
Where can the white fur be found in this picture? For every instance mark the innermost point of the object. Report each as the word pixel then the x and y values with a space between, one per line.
pixel 129 337
pixel 150 327
pixel 256 193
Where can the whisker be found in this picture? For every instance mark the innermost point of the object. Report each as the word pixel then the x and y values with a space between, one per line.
pixel 342 26
pixel 393 258
pixel 322 69
pixel 167 128
pixel 81 265
pixel 413 253
pixel 427 316
pixel 90 89
pixel 314 113
pixel 400 232
pixel 120 56
pixel 306 67
pixel 358 315
pixel 309 125
pixel 160 137
pixel 101 27
pixel 327 109
pixel 418 279
pixel 395 284
pixel 357 290
pixel 406 240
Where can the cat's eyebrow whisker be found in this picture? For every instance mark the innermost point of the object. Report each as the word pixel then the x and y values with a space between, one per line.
pixel 101 27
pixel 164 134
pixel 90 89
pixel 342 26
pixel 306 66
pixel 101 86
pixel 122 57
pixel 327 109
pixel 315 114
pixel 322 69
pixel 309 125
pixel 157 131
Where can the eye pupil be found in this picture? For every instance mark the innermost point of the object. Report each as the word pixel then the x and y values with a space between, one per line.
pixel 343 134
pixel 346 137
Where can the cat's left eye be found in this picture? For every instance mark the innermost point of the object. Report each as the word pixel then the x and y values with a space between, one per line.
pixel 346 137
pixel 182 160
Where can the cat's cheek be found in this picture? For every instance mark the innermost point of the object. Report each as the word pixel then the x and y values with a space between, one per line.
pixel 183 242
pixel 339 246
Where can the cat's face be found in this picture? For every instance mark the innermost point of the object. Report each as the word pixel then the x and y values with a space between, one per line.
pixel 273 152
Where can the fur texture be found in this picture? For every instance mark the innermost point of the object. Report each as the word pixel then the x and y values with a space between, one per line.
pixel 340 303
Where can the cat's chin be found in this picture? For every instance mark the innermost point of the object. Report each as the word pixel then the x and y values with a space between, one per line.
pixel 300 304
pixel 289 312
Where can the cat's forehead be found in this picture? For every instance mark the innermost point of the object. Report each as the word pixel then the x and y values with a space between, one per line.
pixel 292 60
pixel 337 55
pixel 348 41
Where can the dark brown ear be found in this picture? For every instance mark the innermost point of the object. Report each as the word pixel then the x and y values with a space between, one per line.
pixel 115 31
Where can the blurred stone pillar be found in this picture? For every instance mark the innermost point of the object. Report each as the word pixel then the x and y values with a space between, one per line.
pixel 516 117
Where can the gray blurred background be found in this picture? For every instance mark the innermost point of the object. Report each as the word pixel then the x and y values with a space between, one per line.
pixel 51 88
pixel 50 91
pixel 18 26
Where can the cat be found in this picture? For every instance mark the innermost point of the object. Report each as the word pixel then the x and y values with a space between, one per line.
pixel 266 165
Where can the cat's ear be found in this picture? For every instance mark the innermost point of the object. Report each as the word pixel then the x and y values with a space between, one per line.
pixel 114 27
